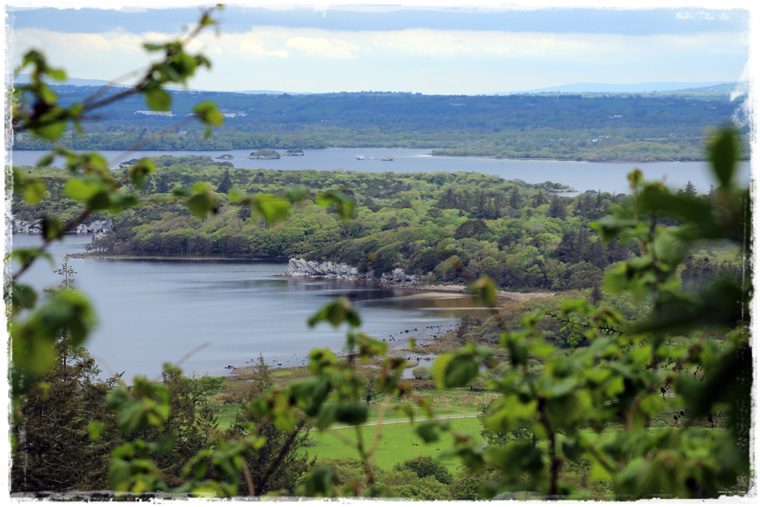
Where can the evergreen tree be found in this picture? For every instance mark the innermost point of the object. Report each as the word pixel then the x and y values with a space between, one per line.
pixel 51 445
pixel 226 184
pixel 279 464
pixel 556 207
pixel 515 200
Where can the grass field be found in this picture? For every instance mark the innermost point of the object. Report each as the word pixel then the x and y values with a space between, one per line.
pixel 398 442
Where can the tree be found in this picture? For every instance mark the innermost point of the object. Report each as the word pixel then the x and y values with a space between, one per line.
pixel 421 373
pixel 226 184
pixel 279 463
pixel 556 207
pixel 425 466
pixel 52 448
pixel 628 375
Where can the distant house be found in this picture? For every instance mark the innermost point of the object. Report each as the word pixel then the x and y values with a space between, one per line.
pixel 155 113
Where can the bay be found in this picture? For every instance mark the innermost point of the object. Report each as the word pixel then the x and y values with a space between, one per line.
pixel 582 176
pixel 227 313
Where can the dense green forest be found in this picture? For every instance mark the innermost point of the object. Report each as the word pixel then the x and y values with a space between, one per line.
pixel 441 226
pixel 614 127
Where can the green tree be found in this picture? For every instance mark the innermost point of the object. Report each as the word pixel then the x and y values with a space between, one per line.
pixel 52 448
pixel 426 466
pixel 226 184
pixel 279 463
pixel 691 359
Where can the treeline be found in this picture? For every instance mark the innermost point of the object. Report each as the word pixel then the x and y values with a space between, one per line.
pixel 569 127
pixel 445 227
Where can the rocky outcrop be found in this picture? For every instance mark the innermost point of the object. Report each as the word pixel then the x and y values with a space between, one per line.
pixel 301 267
pixel 34 227
pixel 95 227
pixel 26 227
pixel 398 275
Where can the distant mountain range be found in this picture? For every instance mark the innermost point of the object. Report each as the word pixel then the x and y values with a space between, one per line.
pixel 665 86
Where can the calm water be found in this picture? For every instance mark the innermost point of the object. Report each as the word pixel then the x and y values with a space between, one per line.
pixel 153 312
pixel 607 177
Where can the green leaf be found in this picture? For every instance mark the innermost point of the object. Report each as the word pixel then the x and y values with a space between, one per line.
pixel 326 416
pixel 139 172
pixel 57 74
pixel 429 431
pixel 208 113
pixel 271 208
pixel 153 47
pixel 48 95
pixel 82 189
pixel 46 160
pixel 485 289
pixel 202 202
pixel 95 429
pixel 296 194
pixel 27 255
pixel 723 155
pixel 343 205
pixel 452 370
pixel 23 296
pixel 34 190
pixel 158 99
pixel 50 130
pixel 353 414
pixel 51 228
pixel 336 313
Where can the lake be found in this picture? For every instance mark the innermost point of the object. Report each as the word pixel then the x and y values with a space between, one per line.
pixel 151 312
pixel 603 176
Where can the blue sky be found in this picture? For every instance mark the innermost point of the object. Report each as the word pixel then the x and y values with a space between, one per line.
pixel 427 48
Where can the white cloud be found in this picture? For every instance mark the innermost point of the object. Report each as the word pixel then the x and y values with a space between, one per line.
pixel 323 47
pixel 404 59
pixel 250 47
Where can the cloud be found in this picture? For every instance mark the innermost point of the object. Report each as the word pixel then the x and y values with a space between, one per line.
pixel 250 47
pixel 411 59
pixel 323 47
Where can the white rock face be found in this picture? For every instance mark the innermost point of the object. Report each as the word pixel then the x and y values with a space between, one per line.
pixel 34 227
pixel 25 227
pixel 328 269
pixel 98 226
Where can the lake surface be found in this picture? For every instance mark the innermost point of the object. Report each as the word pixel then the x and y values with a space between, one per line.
pixel 603 176
pixel 153 312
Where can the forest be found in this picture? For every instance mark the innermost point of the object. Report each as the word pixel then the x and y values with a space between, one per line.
pixel 614 127
pixel 634 383
pixel 442 227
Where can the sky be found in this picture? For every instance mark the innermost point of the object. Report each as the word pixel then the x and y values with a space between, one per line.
pixel 430 48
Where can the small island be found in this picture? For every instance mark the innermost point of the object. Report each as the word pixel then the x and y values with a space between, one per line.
pixel 293 152
pixel 264 154
pixel 225 156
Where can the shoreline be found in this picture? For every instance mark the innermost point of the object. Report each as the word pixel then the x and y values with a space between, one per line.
pixel 201 152
pixel 421 287
pixel 164 258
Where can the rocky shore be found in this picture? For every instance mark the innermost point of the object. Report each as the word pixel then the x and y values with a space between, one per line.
pixel 302 267
pixel 35 227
